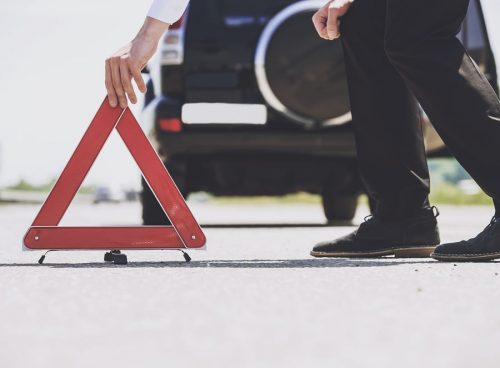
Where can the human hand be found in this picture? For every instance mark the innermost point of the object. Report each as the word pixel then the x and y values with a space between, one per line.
pixel 127 63
pixel 327 19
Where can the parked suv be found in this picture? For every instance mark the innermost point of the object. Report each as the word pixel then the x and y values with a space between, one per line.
pixel 248 101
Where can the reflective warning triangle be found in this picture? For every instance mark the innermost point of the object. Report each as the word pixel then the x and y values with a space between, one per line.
pixel 45 234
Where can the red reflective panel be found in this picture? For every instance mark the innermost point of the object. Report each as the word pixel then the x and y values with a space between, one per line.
pixel 45 232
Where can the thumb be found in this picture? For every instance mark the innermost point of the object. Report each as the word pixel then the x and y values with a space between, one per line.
pixel 332 27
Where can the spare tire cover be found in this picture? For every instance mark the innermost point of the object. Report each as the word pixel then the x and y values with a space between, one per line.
pixel 305 72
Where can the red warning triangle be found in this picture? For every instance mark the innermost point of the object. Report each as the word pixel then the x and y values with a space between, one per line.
pixel 45 234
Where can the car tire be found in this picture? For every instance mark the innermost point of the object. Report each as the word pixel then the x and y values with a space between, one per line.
pixel 372 205
pixel 152 213
pixel 340 207
pixel 149 96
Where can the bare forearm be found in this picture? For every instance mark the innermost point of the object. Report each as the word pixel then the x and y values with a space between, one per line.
pixel 152 30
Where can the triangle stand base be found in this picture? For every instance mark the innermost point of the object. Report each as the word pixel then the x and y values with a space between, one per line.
pixel 184 233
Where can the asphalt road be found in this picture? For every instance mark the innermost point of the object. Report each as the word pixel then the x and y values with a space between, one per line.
pixel 254 299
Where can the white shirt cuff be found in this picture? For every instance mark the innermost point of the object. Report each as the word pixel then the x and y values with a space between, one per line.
pixel 168 11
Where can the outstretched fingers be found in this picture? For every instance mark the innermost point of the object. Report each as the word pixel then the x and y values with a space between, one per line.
pixel 113 99
pixel 126 78
pixel 116 80
pixel 120 71
pixel 139 80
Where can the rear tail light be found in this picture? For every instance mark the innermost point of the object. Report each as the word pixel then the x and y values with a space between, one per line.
pixel 173 125
pixel 171 39
pixel 173 42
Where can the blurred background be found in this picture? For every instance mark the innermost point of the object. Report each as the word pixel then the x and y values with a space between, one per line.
pixel 249 112
pixel 52 83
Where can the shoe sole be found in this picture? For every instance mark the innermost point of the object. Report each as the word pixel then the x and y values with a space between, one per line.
pixel 413 252
pixel 466 257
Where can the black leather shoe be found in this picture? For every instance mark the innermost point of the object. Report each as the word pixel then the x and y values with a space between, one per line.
pixel 484 247
pixel 416 236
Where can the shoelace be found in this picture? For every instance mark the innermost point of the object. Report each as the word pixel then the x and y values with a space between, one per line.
pixel 434 209
pixel 368 218
pixel 486 233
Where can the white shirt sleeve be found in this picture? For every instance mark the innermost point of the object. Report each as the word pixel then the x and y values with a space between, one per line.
pixel 168 11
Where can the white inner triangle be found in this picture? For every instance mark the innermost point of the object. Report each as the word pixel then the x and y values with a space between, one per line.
pixel 107 193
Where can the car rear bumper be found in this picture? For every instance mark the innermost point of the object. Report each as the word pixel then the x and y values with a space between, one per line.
pixel 338 144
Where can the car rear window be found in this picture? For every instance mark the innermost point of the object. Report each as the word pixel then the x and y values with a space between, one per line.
pixel 238 12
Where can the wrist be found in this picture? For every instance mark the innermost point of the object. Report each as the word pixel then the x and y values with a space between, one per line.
pixel 152 30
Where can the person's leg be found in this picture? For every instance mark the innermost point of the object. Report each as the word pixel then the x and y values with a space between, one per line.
pixel 390 147
pixel 386 118
pixel 421 43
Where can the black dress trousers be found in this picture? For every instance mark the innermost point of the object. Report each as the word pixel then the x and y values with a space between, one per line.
pixel 401 51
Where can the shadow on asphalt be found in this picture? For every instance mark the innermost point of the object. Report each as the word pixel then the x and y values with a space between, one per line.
pixel 257 263
pixel 267 226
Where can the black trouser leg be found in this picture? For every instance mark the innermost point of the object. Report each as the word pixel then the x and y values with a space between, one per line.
pixel 386 118
pixel 421 43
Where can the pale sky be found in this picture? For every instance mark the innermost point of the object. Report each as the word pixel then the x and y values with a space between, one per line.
pixel 51 82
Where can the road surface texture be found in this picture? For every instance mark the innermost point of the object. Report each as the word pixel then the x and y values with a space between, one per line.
pixel 255 298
